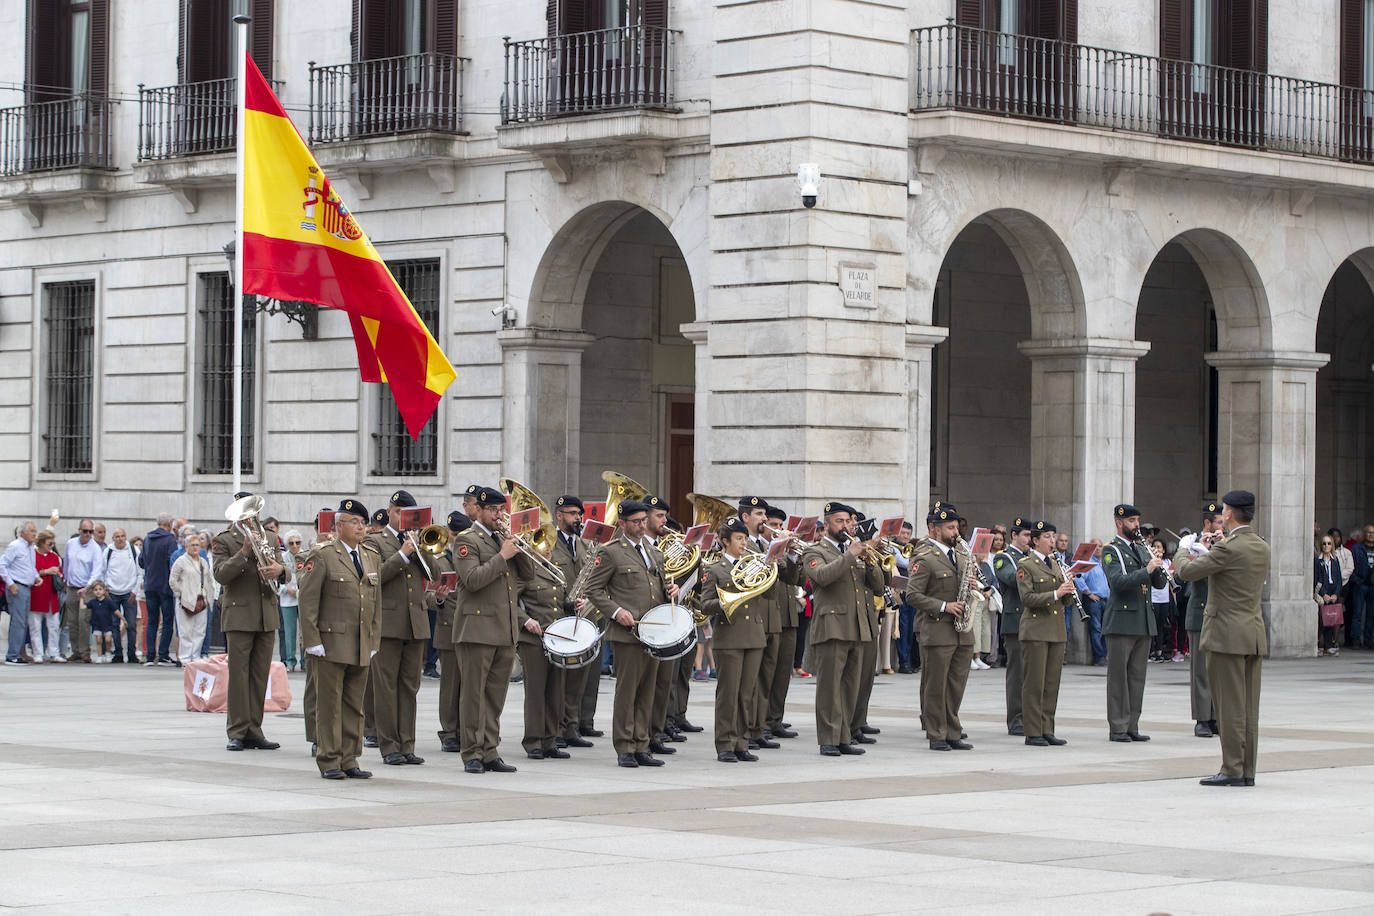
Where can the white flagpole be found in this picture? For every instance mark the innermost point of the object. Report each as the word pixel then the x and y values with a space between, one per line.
pixel 241 97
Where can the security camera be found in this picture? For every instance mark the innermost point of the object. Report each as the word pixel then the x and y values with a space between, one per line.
pixel 809 181
pixel 499 311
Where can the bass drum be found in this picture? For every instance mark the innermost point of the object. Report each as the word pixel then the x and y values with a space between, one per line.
pixel 667 631
pixel 572 642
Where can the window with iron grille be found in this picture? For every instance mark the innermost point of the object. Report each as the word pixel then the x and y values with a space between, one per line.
pixel 395 453
pixel 215 378
pixel 69 376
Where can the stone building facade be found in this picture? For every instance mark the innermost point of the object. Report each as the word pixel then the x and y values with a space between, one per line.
pixel 1096 251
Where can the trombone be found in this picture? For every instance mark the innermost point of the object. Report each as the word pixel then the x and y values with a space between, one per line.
pixel 537 544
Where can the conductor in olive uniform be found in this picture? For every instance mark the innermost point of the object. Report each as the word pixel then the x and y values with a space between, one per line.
pixel 1200 688
pixel 249 617
pixel 458 522
pixel 1233 632
pixel 1004 568
pixel 1043 590
pixel 933 588
pixel 627 580
pixel 542 596
pixel 486 629
pixel 842 589
pixel 1128 623
pixel 341 617
pixel 738 639
pixel 569 552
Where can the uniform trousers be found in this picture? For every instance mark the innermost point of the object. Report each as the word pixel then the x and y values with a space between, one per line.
pixel 663 687
pixel 1235 694
pixel 1200 686
pixel 737 678
pixel 1016 674
pixel 636 676
pixel 756 690
pixel 484 674
pixel 574 684
pixel 310 700
pixel 867 661
pixel 76 617
pixel 395 682
pixel 838 666
pixel 448 694
pixel 681 689
pixel 781 679
pixel 370 707
pixel 1127 659
pixel 250 665
pixel 543 698
pixel 944 675
pixel 1044 665
pixel 338 713
pixel 586 705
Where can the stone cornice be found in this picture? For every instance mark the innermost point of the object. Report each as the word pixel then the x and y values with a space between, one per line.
pixel 1103 347
pixel 1267 359
pixel 544 339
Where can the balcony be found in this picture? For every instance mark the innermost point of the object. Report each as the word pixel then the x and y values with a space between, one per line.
pixel 55 151
pixel 1059 83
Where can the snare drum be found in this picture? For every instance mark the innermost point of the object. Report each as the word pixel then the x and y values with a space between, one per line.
pixel 579 645
pixel 667 631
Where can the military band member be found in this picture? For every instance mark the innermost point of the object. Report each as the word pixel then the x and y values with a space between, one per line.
pixel 861 731
pixel 1004 569
pixel 933 589
pixel 1232 631
pixel 753 512
pixel 627 580
pixel 776 683
pixel 487 625
pixel 738 646
pixel 308 662
pixel 842 588
pixel 249 617
pixel 655 527
pixel 470 507
pixel 543 597
pixel 569 552
pixel 376 524
pixel 1043 589
pixel 449 734
pixel 1200 689
pixel 680 688
pixel 1128 623
pixel 340 593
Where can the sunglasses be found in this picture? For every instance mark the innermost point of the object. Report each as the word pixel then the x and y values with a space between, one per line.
pixel 88 531
pixel 294 541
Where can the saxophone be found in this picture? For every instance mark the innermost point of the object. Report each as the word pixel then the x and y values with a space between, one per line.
pixel 972 599
pixel 579 586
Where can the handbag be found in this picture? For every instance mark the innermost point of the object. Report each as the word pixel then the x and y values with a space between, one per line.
pixel 200 599
pixel 1332 615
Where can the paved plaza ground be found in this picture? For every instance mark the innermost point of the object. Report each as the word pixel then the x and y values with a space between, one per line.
pixel 116 800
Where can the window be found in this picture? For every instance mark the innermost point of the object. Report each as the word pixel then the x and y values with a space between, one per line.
pixel 206 38
pixel 1367 58
pixel 67 48
pixel 215 376
pixel 568 17
pixel 396 454
pixel 1009 25
pixel 398 28
pixel 69 375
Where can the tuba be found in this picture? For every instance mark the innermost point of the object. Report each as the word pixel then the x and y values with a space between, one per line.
pixel 621 489
pixel 537 544
pixel 243 514
pixel 707 510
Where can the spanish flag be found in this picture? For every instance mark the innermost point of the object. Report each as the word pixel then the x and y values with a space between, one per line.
pixel 300 242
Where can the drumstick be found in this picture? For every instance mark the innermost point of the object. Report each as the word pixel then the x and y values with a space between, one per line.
pixel 558 636
pixel 652 623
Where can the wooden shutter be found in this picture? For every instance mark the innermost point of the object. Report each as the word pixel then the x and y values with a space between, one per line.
pixel 376 38
pixel 1259 58
pixel 100 47
pixel 46 71
pixel 446 26
pixel 205 41
pixel 1242 39
pixel 260 35
pixel 975 14
pixel 1175 21
pixel 1352 42
pixel 654 13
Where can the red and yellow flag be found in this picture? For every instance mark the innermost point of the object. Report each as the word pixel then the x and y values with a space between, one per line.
pixel 300 242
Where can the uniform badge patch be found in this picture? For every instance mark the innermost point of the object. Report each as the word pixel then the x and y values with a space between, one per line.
pixel 914 567
pixel 596 562
pixel 998 564
pixel 300 564
pixel 1020 574
pixel 309 565
pixel 1106 558
pixel 815 562
pixel 463 550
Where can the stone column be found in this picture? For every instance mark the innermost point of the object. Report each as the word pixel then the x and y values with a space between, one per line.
pixel 541 407
pixel 698 332
pixel 921 339
pixel 1266 443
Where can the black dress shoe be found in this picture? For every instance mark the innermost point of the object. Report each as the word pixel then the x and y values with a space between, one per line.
pixel 785 724
pixel 234 744
pixel 451 745
pixel 861 738
pixel 746 756
pixel 675 734
pixel 1221 779
pixel 333 774
pixel 498 766
pixel 904 669
pixel 536 754
pixel 412 759
pixel 260 744
pixel 1119 736
pixel 727 757
pixel 753 745
pixel 626 760
pixel 1056 742
pixel 960 745
pixel 768 745
pixel 658 747
pixel 474 766
pixel 590 732
pixel 369 740
pixel 1137 736
pixel 577 741
pixel 431 672
pixel 556 754
pixel 560 742
pixel 829 750
pixel 394 760
pixel 850 750
pixel 940 746
pixel 1202 730
pixel 1212 724
pixel 1249 781
pixel 781 732
pixel 686 726
pixel 870 730
pixel 1037 741
pixel 1016 730
pixel 357 773
pixel 647 760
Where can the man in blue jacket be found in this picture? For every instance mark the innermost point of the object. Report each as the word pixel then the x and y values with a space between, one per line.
pixel 1362 592
pixel 156 561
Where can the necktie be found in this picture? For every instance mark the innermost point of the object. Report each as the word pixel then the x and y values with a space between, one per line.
pixel 400 538
pixel 357 563
pixel 644 554
pixel 952 562
pixel 572 551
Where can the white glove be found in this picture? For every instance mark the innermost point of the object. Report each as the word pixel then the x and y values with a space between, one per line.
pixel 317 651
pixel 374 652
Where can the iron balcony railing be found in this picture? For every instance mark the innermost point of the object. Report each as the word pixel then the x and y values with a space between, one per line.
pixel 389 95
pixel 60 134
pixel 586 72
pixel 1019 76
pixel 188 119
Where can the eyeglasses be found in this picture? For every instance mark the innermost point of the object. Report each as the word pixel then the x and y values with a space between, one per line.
pixel 88 531
pixel 294 541
pixel 1326 543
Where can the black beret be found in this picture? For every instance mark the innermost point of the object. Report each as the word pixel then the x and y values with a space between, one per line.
pixel 775 512
pixel 352 506
pixel 459 521
pixel 734 526
pixel 834 507
pixel 1240 499
pixel 1019 524
pixel 1210 509
pixel 403 499
pixel 471 491
pixel 631 507
pixel 379 517
pixel 490 496
pixel 753 502
pixel 1042 527
pixel 241 494
pixel 654 502
pixel 568 502
pixel 943 512
pixel 1126 510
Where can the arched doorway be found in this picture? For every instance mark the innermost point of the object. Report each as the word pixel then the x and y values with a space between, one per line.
pixel 1345 385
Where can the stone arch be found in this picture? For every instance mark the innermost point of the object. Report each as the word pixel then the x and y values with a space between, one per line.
pixel 1344 469
pixel 1238 294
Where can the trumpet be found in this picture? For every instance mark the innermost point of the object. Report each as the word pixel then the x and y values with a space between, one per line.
pixel 503 531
